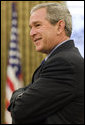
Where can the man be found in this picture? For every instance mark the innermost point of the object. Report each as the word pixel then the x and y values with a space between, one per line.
pixel 55 95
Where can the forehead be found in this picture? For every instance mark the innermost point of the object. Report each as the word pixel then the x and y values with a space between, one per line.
pixel 38 15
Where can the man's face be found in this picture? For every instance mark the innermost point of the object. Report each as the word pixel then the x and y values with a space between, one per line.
pixel 42 33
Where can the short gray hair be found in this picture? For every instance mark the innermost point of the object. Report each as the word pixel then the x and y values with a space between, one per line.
pixel 56 12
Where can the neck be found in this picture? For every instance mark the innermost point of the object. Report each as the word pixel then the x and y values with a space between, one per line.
pixel 62 38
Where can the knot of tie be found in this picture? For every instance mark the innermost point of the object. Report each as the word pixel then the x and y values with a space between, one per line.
pixel 43 62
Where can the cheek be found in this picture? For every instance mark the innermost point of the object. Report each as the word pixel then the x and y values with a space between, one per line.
pixel 50 40
pixel 48 36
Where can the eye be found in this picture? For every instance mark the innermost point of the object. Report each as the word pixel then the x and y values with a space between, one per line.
pixel 37 25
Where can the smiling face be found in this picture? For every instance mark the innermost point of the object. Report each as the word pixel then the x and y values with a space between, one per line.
pixel 42 32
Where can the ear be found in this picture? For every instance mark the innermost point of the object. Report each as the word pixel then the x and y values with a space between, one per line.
pixel 60 26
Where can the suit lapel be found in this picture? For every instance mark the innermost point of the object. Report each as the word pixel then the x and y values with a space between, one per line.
pixel 37 71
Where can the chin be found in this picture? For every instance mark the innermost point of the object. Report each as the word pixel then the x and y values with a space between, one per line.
pixel 41 51
pixel 38 49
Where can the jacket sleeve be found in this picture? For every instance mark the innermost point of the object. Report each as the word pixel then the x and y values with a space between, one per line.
pixel 52 91
pixel 14 96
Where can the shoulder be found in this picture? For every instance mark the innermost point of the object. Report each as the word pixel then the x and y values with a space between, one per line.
pixel 62 60
pixel 68 55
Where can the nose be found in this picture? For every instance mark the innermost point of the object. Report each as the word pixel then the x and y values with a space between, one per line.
pixel 32 32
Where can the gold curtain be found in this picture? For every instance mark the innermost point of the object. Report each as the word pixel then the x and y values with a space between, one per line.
pixel 30 59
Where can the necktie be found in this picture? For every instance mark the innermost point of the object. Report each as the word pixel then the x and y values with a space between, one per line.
pixel 43 62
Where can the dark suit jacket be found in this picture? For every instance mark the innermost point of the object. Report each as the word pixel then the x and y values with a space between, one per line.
pixel 56 94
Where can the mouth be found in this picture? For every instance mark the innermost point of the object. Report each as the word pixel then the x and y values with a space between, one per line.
pixel 37 39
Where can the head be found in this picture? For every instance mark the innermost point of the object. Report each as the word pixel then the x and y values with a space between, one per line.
pixel 50 24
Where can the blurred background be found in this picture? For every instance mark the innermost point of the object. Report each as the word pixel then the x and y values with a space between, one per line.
pixel 30 59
